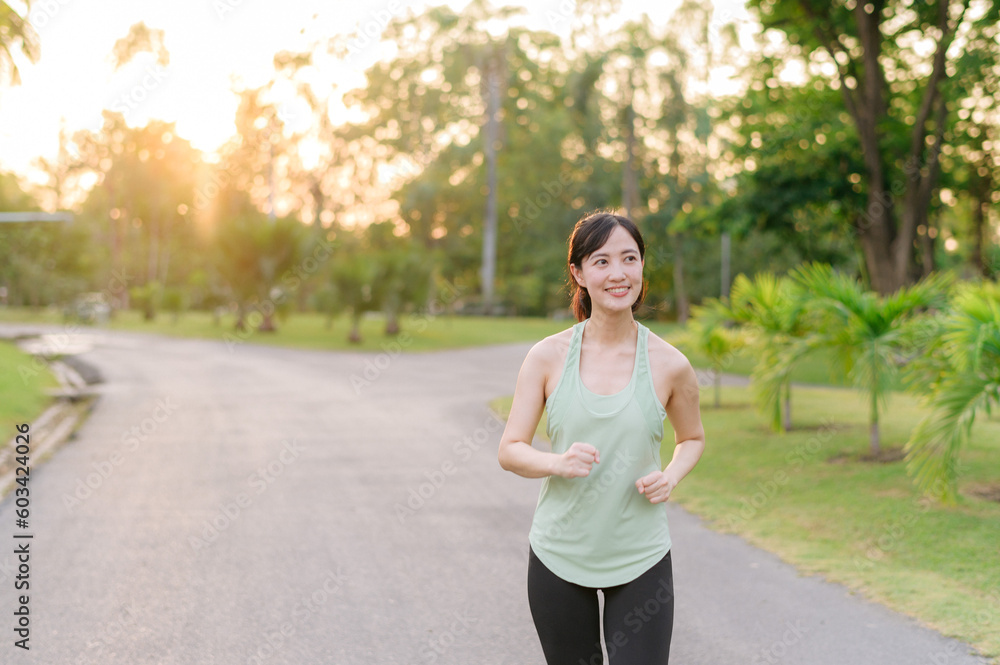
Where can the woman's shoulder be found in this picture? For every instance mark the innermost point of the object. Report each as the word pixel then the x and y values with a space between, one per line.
pixel 664 357
pixel 551 351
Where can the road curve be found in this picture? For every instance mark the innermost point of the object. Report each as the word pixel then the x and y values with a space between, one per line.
pixel 250 504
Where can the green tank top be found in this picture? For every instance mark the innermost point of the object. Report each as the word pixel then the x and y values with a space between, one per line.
pixel 598 531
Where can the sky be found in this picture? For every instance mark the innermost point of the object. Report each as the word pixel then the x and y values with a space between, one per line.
pixel 214 45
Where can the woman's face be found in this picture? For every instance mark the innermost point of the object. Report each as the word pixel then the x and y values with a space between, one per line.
pixel 612 274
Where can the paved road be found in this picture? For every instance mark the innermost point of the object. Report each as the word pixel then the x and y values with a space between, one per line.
pixel 254 505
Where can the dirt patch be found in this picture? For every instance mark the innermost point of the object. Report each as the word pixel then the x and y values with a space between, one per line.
pixel 725 406
pixel 884 456
pixel 989 492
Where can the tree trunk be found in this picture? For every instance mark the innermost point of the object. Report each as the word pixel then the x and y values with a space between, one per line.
pixel 873 432
pixel 154 253
pixel 978 231
pixel 490 153
pixel 354 337
pixel 630 174
pixel 876 234
pixel 164 263
pixel 888 248
pixel 927 264
pixel 267 323
pixel 680 292
pixel 241 325
pixel 980 189
pixel 787 416
pixel 392 315
pixel 717 381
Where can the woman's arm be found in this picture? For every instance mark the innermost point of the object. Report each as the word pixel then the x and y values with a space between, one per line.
pixel 516 453
pixel 684 414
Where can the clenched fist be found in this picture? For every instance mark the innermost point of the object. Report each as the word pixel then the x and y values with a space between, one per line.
pixel 657 486
pixel 577 460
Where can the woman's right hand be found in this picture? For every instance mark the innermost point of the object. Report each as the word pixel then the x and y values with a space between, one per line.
pixel 577 461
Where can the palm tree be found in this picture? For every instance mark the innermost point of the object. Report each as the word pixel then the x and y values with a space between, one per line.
pixel 353 281
pixel 773 311
pixel 16 32
pixel 711 332
pixel 964 382
pixel 402 272
pixel 254 255
pixel 870 333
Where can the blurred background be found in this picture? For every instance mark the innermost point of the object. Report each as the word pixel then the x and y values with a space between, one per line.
pixel 204 150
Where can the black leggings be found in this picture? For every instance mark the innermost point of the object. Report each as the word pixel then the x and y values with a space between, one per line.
pixel 638 617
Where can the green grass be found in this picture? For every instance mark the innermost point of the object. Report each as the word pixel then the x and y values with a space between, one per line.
pixel 23 383
pixel 313 331
pixel 809 497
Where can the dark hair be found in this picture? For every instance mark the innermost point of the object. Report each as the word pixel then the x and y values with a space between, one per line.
pixel 589 235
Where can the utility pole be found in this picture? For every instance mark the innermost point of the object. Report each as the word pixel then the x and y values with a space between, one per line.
pixel 493 65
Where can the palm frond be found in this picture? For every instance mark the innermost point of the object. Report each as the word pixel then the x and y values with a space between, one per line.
pixel 968 382
pixel 933 448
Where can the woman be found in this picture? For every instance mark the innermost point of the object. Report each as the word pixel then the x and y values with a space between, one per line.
pixel 606 385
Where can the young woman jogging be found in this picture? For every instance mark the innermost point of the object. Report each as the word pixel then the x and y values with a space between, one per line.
pixel 606 385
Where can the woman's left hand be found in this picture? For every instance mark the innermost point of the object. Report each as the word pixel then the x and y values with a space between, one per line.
pixel 657 486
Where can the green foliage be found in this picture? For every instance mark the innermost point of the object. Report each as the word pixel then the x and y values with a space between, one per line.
pixel 871 334
pixel 712 333
pixel 965 383
pixel 255 255
pixel 146 299
pixel 585 121
pixel 173 301
pixel 773 311
pixel 16 33
pixel 890 69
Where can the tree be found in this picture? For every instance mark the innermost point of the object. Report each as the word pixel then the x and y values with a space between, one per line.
pixel 16 33
pixel 41 264
pixel 963 384
pixel 870 333
pixel 402 275
pixel 712 333
pixel 637 98
pixel 440 110
pixel 140 39
pixel 254 255
pixel 353 278
pixel 799 166
pixel 894 96
pixel 971 160
pixel 773 311
pixel 144 192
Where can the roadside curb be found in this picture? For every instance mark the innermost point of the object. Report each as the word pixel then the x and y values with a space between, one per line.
pixel 74 399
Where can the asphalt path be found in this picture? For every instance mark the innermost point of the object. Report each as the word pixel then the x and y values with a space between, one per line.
pixel 235 503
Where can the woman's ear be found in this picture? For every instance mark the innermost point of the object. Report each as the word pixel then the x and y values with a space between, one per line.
pixel 577 275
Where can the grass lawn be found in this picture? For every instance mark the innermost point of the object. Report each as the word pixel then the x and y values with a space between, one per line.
pixel 22 389
pixel 808 497
pixel 314 331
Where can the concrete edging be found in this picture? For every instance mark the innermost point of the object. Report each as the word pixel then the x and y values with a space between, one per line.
pixel 54 426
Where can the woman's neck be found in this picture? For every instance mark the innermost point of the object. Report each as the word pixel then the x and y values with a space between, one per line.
pixel 610 330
